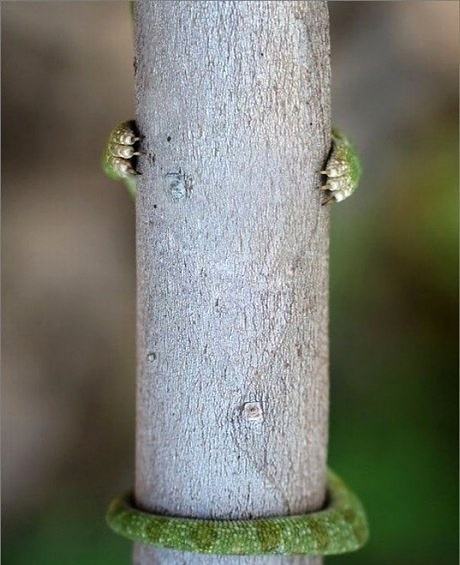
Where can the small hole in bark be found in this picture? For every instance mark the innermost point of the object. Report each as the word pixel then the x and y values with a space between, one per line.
pixel 252 411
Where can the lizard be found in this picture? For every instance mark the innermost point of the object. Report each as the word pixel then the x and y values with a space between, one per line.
pixel 339 527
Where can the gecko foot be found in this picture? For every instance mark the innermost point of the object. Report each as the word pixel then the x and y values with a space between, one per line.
pixel 343 170
pixel 121 151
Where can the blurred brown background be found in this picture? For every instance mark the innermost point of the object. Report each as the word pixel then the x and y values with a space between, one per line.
pixel 69 279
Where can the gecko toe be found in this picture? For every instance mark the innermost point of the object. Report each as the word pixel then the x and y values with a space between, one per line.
pixel 122 150
pixel 342 169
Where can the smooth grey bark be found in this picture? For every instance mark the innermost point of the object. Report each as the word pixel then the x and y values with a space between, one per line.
pixel 232 262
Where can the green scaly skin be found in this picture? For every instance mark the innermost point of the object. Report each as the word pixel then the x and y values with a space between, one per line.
pixel 340 528
pixel 343 168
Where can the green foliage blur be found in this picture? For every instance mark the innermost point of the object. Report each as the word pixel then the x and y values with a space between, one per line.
pixel 395 357
pixel 394 284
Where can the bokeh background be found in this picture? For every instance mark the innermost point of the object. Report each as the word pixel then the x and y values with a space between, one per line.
pixel 69 280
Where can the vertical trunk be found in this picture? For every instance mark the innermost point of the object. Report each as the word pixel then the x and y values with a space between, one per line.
pixel 232 259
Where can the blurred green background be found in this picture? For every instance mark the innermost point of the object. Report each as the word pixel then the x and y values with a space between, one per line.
pixel 69 280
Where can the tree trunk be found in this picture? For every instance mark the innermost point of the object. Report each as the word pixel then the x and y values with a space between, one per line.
pixel 232 263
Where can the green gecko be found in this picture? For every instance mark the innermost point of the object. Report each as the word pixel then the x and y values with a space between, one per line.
pixel 343 168
pixel 338 528
pixel 341 526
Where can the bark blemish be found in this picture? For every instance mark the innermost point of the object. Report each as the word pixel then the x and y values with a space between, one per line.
pixel 252 411
pixel 178 186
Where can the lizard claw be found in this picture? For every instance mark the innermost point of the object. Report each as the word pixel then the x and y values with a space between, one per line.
pixel 343 170
pixel 121 152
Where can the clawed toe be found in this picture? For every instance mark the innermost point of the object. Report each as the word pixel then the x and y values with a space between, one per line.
pixel 342 170
pixel 121 150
